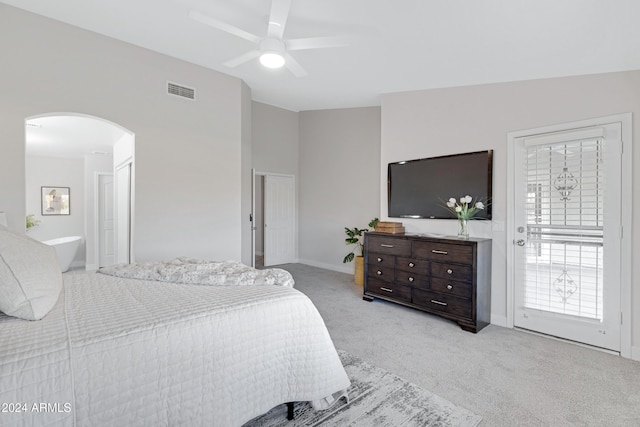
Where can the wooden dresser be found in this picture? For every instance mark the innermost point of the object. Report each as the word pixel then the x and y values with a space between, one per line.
pixel 445 276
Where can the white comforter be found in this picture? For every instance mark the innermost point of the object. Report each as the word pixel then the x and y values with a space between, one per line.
pixel 125 352
pixel 200 272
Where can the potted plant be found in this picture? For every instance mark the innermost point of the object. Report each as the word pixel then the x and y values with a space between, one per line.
pixel 354 238
pixel 32 221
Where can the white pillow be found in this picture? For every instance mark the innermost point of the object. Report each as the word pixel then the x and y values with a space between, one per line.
pixel 30 276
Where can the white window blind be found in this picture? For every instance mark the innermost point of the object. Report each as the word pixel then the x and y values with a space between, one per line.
pixel 564 263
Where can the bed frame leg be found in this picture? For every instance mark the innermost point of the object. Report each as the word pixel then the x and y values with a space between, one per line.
pixel 289 411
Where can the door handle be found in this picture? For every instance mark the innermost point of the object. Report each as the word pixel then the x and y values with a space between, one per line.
pixel 520 242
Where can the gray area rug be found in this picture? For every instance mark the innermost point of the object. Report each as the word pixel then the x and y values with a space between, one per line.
pixel 376 398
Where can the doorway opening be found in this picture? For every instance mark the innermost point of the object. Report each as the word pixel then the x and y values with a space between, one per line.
pixel 258 221
pixel 273 219
pixel 78 152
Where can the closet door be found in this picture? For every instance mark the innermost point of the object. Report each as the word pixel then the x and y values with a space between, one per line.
pixel 279 220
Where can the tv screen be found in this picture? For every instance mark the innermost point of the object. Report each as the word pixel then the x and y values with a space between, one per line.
pixel 420 188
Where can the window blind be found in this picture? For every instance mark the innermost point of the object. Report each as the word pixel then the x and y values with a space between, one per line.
pixel 564 203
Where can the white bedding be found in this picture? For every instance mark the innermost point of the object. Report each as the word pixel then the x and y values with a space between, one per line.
pixel 201 272
pixel 125 352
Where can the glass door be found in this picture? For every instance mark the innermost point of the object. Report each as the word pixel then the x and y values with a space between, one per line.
pixel 567 236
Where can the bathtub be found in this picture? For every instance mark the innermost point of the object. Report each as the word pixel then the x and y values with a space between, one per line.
pixel 66 248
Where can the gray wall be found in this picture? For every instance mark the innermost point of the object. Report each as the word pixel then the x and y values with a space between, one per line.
pixel 188 153
pixel 275 139
pixel 339 181
pixel 437 122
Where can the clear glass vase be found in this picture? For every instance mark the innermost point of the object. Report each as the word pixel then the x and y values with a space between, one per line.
pixel 463 233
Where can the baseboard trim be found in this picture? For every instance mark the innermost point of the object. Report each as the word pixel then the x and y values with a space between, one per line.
pixel 499 320
pixel 635 353
pixel 347 268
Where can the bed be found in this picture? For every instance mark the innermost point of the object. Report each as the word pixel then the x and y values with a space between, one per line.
pixel 122 351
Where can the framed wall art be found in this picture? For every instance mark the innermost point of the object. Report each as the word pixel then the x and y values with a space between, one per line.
pixel 56 201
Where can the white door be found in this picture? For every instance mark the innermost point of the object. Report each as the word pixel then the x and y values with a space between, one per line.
pixel 567 225
pixel 106 238
pixel 279 219
pixel 123 213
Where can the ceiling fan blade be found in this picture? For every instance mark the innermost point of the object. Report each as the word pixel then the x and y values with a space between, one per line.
pixel 278 18
pixel 223 26
pixel 316 43
pixel 245 57
pixel 294 66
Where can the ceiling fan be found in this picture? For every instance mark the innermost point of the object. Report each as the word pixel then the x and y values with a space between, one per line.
pixel 272 50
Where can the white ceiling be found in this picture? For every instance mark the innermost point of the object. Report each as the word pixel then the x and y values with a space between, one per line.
pixel 395 46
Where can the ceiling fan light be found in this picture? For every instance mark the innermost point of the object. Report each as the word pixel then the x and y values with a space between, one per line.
pixel 272 59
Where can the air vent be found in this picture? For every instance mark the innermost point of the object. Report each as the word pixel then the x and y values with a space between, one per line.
pixel 182 91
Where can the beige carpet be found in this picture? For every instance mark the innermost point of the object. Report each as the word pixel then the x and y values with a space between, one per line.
pixel 509 377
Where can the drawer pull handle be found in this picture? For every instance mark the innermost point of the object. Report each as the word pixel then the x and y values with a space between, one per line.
pixel 436 251
pixel 387 290
pixel 449 271
pixel 438 302
pixel 411 279
pixel 411 265
pixel 379 259
pixel 449 287
pixel 379 273
pixel 386 246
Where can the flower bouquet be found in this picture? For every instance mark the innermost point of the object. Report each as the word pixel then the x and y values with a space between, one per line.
pixel 465 209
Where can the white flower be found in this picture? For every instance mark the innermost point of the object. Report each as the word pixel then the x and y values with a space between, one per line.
pixel 464 208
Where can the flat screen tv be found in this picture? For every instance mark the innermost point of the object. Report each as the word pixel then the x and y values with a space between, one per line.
pixel 420 188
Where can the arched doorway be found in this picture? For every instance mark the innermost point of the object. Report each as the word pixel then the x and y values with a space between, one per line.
pixel 86 155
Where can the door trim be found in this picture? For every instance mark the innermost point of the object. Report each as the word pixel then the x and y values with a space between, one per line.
pixel 625 221
pixel 128 165
pixel 253 217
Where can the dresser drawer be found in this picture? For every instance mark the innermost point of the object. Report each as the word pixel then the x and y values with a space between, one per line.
pixel 411 278
pixel 379 272
pixel 389 245
pixel 443 252
pixel 452 271
pixel 380 260
pixel 391 290
pixel 452 287
pixel 412 265
pixel 443 303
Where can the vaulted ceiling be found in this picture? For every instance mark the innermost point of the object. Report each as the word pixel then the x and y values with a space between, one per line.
pixel 393 46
